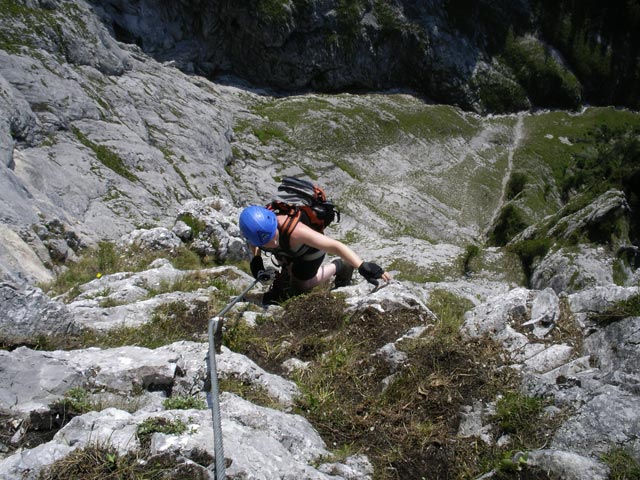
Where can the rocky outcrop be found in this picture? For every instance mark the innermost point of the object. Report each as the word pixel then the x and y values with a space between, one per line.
pixel 595 374
pixel 126 148
pixel 499 62
pixel 28 313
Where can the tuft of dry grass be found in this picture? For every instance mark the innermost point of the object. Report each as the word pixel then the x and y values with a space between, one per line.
pixel 406 420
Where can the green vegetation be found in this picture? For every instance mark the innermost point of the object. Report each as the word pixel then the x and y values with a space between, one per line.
pixel 197 226
pixel 509 223
pixel 33 23
pixel 106 258
pixel 515 185
pixel 450 310
pixel 471 253
pixel 613 161
pixel 353 126
pixel 102 462
pixel 623 309
pixel 269 132
pixel 170 322
pixel 387 17
pixel 622 465
pixel 515 411
pixel 349 13
pixel 564 157
pixel 499 94
pixel 274 12
pixel 530 251
pixel 599 41
pixel 546 80
pixel 184 402
pixel 76 401
pixel 411 272
pixel 107 157
pixel 408 427
pixel 152 425
pixel 250 392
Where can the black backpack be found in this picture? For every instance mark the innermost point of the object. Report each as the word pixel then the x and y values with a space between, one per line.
pixel 297 197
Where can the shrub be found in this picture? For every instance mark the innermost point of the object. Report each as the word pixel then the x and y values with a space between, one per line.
pixel 515 185
pixel 529 251
pixel 510 222
pixel 544 78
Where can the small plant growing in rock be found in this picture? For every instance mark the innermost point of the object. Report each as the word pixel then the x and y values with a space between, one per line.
pixel 76 401
pixel 622 465
pixel 184 402
pixel 516 413
pixel 152 425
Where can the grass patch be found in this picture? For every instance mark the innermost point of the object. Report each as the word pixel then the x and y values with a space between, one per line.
pixel 104 462
pixel 267 133
pixel 471 253
pixel 622 465
pixel 411 272
pixel 515 185
pixel 107 258
pixel 107 157
pixel 565 156
pixel 409 427
pixel 343 125
pixel 194 281
pixel 184 402
pixel 514 413
pixel 253 393
pixel 449 309
pixel 619 311
pixel 197 225
pixel 530 252
pixel 169 323
pixel 509 223
pixel 152 425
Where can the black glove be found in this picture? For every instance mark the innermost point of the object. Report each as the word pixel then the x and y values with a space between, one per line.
pixel 371 271
pixel 267 276
pixel 257 266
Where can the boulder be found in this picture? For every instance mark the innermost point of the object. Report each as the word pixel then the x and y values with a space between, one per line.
pixel 27 313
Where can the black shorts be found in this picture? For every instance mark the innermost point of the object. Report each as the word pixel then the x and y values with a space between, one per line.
pixel 306 269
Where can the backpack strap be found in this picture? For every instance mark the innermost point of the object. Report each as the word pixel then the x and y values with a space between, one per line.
pixel 287 229
pixel 294 214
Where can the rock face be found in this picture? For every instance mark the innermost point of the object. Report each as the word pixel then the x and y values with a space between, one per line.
pixel 99 141
pixel 28 313
pixel 599 380
pixel 431 47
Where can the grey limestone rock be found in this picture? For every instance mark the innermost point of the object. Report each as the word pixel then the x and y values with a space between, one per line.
pixel 158 238
pixel 26 313
pixel 571 270
pixel 567 465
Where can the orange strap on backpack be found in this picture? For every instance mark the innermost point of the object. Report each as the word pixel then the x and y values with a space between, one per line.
pixel 293 217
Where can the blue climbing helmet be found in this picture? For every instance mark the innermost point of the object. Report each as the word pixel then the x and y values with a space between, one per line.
pixel 258 225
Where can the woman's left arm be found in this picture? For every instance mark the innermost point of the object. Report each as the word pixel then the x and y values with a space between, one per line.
pixel 305 235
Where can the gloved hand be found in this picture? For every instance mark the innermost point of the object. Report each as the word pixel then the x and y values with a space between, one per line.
pixel 266 276
pixel 371 272
pixel 257 266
